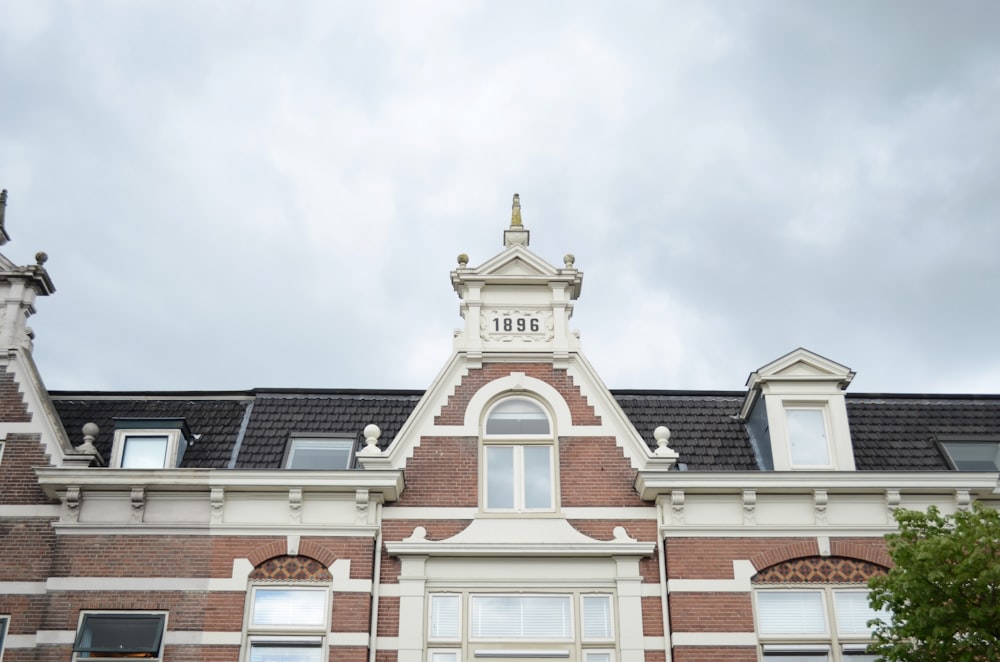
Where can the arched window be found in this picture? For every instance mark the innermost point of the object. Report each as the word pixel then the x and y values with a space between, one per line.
pixel 518 458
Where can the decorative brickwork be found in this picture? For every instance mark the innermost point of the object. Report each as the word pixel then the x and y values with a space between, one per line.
pixel 291 568
pixel 819 569
pixel 453 413
pixel 13 408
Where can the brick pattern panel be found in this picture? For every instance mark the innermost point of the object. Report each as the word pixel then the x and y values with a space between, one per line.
pixel 593 471
pixel 21 454
pixel 453 413
pixel 652 617
pixel 714 654
pixel 351 612
pixel 26 550
pixel 388 616
pixel 13 408
pixel 711 612
pixel 444 471
pixel 828 569
pixel 712 558
pixel 291 568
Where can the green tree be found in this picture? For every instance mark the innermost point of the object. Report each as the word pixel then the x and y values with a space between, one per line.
pixel 944 591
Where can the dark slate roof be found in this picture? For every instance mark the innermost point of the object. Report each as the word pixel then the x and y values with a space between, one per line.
pixel 279 414
pixel 901 432
pixel 216 418
pixel 703 426
pixel 889 432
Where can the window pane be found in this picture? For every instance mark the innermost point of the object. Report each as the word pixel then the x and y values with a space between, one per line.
pixel 535 617
pixel 596 617
pixel 320 454
pixel 537 477
pixel 791 612
pixel 974 456
pixel 807 436
pixel 517 416
pixel 796 657
pixel 499 477
pixel 444 657
pixel 285 652
pixel 445 616
pixel 292 607
pixel 598 657
pixel 3 632
pixel 853 612
pixel 142 452
pixel 120 633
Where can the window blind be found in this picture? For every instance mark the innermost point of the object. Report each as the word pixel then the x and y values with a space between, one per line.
pixel 596 617
pixel 445 616
pixel 531 617
pixel 292 607
pixel 791 612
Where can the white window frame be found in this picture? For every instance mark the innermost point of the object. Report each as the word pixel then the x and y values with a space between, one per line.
pixel 1 462
pixel 574 647
pixel 86 657
pixel 518 443
pixel 295 439
pixel 824 411
pixel 174 446
pixel 835 645
pixel 4 622
pixel 308 635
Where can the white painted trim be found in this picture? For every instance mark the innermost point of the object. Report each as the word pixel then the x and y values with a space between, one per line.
pixel 235 530
pixel 22 588
pixel 25 511
pixel 743 572
pixel 613 513
pixel 428 513
pixel 738 531
pixel 55 637
pixel 19 641
pixel 388 643
pixel 654 643
pixel 715 639
pixel 356 639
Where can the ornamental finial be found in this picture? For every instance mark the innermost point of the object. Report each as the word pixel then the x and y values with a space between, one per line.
pixel 515 212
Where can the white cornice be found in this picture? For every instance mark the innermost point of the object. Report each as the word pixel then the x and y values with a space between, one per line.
pixel 386 483
pixel 653 484
pixel 520 550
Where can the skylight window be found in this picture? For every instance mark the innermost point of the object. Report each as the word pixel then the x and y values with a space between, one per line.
pixel 320 453
pixel 973 455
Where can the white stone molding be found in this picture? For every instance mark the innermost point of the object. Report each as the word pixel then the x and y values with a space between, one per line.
pixel 361 502
pixel 295 505
pixel 138 499
pixel 677 507
pixel 749 507
pixel 292 544
pixel 820 499
pixel 217 497
pixel 963 500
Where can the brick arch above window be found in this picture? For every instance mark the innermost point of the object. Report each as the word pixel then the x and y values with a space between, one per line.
pixel 291 568
pixel 819 569
pixel 280 548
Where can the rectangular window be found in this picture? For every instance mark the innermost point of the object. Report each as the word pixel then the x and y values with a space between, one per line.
pixel 445 616
pixel 288 623
pixel 144 451
pixel 807 437
pixel 973 455
pixel 596 617
pixel 120 634
pixel 522 617
pixel 327 454
pixel 519 478
pixel 4 622
pixel 825 624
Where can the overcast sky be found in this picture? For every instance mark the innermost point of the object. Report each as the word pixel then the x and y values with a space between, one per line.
pixel 241 194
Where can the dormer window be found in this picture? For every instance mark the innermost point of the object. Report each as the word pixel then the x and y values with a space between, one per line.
pixel 518 463
pixel 320 453
pixel 808 441
pixel 149 443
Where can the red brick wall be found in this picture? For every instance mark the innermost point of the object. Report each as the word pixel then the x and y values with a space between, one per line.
pixel 388 616
pixel 19 485
pixel 444 471
pixel 711 612
pixel 13 408
pixel 714 654
pixel 712 558
pixel 593 471
pixel 453 413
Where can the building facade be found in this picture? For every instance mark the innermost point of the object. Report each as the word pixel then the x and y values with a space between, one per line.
pixel 517 509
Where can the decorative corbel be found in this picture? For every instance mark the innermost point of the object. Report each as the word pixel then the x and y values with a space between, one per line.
pixel 750 507
pixel 892 502
pixel 361 505
pixel 218 501
pixel 72 503
pixel 138 504
pixel 295 505
pixel 963 500
pixel 677 506
pixel 820 499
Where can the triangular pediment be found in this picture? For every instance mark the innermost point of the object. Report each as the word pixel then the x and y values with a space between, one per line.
pixel 515 261
pixel 802 365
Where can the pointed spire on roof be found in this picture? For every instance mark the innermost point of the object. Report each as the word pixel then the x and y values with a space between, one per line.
pixel 4 237
pixel 516 235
